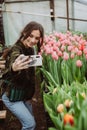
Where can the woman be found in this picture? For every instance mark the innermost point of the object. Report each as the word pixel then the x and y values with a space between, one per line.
pixel 19 77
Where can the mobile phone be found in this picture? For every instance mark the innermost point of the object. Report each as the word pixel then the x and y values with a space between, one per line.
pixel 35 60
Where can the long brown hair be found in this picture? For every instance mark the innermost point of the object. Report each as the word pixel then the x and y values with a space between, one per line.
pixel 29 28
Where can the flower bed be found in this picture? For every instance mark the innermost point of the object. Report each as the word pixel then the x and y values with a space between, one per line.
pixel 67 106
pixel 64 56
pixel 64 79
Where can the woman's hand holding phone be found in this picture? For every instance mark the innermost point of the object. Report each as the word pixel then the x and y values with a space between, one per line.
pixel 21 62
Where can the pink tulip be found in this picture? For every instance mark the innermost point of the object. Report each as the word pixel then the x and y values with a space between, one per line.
pixel 68 33
pixel 75 50
pixel 58 43
pixel 48 51
pixel 60 53
pixel 70 48
pixel 56 34
pixel 65 56
pixel 72 39
pixel 62 48
pixel 79 63
pixel 55 47
pixel 79 53
pixel 50 43
pixel 85 50
pixel 54 55
pixel 72 55
pixel 86 56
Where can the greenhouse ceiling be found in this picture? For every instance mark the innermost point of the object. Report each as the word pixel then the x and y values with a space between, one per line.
pixel 7 1
pixel 23 0
pixel 82 1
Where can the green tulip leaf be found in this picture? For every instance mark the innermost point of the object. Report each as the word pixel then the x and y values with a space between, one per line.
pixel 52 128
pixel 57 121
pixel 49 105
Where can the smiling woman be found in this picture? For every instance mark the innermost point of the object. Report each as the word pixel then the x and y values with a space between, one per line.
pixel 19 77
pixel 32 39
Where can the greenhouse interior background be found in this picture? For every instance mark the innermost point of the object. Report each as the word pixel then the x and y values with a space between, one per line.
pixel 59 18
pixel 67 15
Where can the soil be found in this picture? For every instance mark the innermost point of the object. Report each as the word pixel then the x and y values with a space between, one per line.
pixel 12 123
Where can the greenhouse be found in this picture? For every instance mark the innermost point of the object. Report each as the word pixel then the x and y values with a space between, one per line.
pixel 43 44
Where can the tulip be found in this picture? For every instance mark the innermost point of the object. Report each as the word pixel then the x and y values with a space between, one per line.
pixel 66 56
pixel 60 108
pixel 79 63
pixel 68 119
pixel 54 56
pixel 83 95
pixel 68 103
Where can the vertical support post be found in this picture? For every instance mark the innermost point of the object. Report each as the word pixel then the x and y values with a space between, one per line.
pixel 52 13
pixel 73 13
pixel 2 40
pixel 67 11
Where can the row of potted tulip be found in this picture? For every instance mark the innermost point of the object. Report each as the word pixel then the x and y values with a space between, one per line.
pixel 65 57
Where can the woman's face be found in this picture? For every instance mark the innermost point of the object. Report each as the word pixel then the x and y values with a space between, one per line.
pixel 33 39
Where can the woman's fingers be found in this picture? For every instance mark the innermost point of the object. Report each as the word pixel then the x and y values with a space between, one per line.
pixel 22 58
pixel 21 63
pixel 2 64
pixel 2 61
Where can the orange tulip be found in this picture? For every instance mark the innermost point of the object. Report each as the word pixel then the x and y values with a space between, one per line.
pixel 68 119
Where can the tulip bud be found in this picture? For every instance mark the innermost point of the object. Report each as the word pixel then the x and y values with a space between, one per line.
pixel 60 108
pixel 55 90
pixel 83 95
pixel 68 119
pixel 68 103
